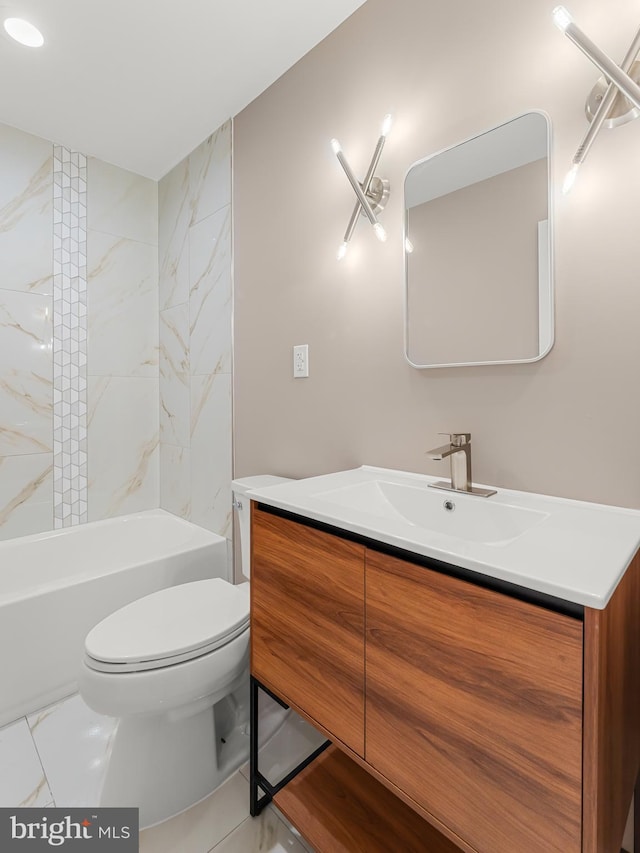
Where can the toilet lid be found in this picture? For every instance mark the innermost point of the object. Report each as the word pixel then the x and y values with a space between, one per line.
pixel 169 626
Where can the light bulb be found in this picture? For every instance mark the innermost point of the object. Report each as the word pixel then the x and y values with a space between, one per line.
pixel 561 18
pixel 24 32
pixel 570 178
pixel 342 251
pixel 337 148
pixel 386 125
pixel 408 245
pixel 380 233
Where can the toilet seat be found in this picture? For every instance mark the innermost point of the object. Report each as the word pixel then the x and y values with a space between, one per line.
pixel 170 626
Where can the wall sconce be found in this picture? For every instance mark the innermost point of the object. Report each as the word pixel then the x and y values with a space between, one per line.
pixel 614 100
pixel 372 193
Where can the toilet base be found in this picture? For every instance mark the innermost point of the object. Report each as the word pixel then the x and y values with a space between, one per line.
pixel 164 764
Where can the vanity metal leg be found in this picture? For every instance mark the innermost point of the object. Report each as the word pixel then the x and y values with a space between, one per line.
pixel 258 782
pixel 256 802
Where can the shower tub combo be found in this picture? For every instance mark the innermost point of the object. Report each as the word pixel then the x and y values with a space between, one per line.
pixel 54 587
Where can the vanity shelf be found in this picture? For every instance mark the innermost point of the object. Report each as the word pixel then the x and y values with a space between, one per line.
pixel 340 808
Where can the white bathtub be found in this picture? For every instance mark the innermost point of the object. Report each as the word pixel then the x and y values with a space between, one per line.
pixel 55 586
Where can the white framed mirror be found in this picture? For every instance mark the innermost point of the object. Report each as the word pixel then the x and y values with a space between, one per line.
pixel 479 278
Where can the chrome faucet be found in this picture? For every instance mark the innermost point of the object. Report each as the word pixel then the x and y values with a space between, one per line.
pixel 459 452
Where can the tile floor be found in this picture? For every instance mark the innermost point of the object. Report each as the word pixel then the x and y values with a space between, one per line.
pixel 222 824
pixel 58 756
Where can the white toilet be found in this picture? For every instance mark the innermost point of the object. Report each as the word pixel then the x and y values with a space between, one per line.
pixel 174 668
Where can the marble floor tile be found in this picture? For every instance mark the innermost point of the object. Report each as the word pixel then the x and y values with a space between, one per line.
pixel 201 827
pixel 264 834
pixel 22 779
pixel 290 745
pixel 73 743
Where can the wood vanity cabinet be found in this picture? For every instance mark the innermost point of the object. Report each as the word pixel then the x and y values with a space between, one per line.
pixel 511 726
pixel 307 622
pixel 474 707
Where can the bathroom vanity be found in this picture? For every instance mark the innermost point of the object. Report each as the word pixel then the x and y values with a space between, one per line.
pixel 466 711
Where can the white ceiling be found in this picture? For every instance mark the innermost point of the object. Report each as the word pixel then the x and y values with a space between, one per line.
pixel 140 83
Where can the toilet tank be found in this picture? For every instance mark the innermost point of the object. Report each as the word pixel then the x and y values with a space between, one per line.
pixel 242 506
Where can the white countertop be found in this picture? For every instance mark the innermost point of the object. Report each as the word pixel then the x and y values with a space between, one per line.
pixel 573 550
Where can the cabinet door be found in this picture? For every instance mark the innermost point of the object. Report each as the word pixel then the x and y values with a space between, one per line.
pixel 474 707
pixel 307 622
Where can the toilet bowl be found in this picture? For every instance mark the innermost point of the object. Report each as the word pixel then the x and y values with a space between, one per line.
pixel 173 667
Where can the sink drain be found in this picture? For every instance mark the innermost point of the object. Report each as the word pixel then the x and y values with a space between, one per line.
pixel 449 506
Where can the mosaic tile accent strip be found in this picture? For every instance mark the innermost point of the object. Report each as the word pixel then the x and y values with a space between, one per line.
pixel 69 337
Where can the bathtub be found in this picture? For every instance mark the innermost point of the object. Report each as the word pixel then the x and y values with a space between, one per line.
pixel 55 586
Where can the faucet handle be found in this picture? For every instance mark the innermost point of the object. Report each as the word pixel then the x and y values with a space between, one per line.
pixel 457 439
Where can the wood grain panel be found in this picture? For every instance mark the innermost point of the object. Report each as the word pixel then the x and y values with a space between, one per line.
pixel 339 808
pixel 459 844
pixel 612 714
pixel 474 707
pixel 307 622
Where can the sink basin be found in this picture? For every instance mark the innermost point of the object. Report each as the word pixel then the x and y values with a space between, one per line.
pixel 568 549
pixel 465 516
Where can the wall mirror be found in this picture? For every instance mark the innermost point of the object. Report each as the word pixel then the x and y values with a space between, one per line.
pixel 479 281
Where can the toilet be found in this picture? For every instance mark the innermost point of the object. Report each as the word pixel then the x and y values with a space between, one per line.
pixel 173 667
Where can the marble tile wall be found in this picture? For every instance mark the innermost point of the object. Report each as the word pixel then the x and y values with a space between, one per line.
pixel 26 333
pixel 79 367
pixel 122 357
pixel 194 235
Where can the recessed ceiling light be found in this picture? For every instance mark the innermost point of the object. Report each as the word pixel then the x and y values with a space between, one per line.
pixel 24 32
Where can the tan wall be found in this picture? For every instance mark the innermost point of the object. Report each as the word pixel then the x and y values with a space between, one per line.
pixel 566 425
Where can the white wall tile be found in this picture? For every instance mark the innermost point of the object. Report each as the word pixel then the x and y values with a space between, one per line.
pixel 174 218
pixel 194 205
pixel 175 480
pixel 210 174
pixel 211 452
pixel 26 382
pixel 175 410
pixel 73 743
pixel 26 211
pixel 123 443
pixel 70 337
pixel 122 306
pixel 22 779
pixel 121 203
pixel 26 494
pixel 210 294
